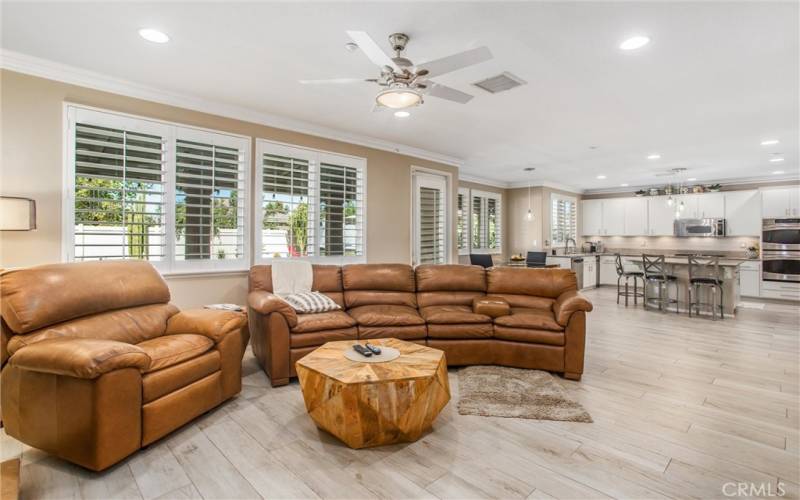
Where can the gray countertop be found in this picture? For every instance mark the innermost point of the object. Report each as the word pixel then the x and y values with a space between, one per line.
pixel 670 258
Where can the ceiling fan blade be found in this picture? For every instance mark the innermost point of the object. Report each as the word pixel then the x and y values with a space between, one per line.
pixel 335 81
pixel 371 49
pixel 447 64
pixel 449 93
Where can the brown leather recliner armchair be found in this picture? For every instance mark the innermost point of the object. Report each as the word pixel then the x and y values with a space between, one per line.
pixel 97 363
pixel 541 321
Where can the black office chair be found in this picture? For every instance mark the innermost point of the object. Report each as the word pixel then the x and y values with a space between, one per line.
pixel 536 259
pixel 481 259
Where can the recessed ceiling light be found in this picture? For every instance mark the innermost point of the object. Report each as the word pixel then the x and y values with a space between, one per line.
pixel 770 142
pixel 351 47
pixel 691 179
pixel 777 172
pixel 776 160
pixel 624 185
pixel 154 36
pixel 601 177
pixel 402 114
pixel 655 156
pixel 634 42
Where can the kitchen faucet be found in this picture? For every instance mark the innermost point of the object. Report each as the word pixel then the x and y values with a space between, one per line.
pixel 566 245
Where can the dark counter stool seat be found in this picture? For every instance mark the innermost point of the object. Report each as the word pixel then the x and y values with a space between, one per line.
pixel 704 272
pixel 655 273
pixel 636 275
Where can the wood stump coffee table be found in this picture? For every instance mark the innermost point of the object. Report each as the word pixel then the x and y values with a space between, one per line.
pixel 372 404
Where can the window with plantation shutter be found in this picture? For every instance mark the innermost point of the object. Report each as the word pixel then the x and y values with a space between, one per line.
pixel 564 219
pixel 430 227
pixel 144 189
pixel 209 198
pixel 462 221
pixel 486 222
pixel 312 204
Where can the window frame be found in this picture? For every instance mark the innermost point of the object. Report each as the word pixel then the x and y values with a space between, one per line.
pixel 498 198
pixel 170 133
pixel 562 197
pixel 315 158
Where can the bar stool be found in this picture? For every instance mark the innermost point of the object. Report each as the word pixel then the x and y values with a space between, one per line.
pixel 655 273
pixel 636 275
pixel 704 272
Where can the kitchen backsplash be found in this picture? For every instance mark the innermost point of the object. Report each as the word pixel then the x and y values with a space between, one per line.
pixel 733 244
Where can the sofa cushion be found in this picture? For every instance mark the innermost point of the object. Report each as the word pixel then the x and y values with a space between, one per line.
pixel 413 332
pixel 386 315
pixel 457 278
pixel 549 283
pixel 332 320
pixel 169 350
pixel 529 336
pixel 315 339
pixel 385 284
pixel 462 331
pixel 452 315
pixel 536 319
pixel 161 382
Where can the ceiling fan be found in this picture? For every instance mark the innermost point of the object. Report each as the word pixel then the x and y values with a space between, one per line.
pixel 403 82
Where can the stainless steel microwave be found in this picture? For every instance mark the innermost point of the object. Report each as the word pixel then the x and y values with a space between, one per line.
pixel 708 228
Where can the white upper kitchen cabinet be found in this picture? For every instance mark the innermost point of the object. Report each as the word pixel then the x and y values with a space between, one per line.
pixel 742 213
pixel 689 205
pixel 613 217
pixel 660 217
pixel 635 217
pixel 592 217
pixel 780 202
pixel 711 206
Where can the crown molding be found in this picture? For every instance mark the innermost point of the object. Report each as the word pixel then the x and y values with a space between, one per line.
pixel 51 70
pixel 481 180
pixel 547 184
pixel 772 179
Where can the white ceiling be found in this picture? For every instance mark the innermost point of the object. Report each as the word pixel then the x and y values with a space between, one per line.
pixel 716 79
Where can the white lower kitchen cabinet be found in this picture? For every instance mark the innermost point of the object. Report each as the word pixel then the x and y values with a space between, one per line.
pixel 589 272
pixel 780 290
pixel 750 279
pixel 608 270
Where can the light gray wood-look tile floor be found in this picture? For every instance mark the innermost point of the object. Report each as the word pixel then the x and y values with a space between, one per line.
pixel 681 407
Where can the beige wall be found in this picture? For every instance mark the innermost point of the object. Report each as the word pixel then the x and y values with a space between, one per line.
pixel 503 255
pixel 532 235
pixel 32 166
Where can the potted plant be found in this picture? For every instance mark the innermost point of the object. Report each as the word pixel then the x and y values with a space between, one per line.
pixel 714 187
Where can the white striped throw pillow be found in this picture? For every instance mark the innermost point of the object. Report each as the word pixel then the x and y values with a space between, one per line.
pixel 311 302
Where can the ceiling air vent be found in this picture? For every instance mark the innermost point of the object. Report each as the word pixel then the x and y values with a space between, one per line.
pixel 500 83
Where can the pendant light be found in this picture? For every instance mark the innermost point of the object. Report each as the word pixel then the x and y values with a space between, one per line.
pixel 529 215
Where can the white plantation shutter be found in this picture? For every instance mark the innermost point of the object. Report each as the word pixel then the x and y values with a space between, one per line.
pixel 564 218
pixel 287 204
pixel 462 221
pixel 143 189
pixel 210 197
pixel 486 221
pixel 117 197
pixel 430 219
pixel 341 210
pixel 311 204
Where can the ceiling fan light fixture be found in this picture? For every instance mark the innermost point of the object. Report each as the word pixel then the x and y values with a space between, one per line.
pixel 398 98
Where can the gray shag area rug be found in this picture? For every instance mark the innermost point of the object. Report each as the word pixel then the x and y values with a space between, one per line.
pixel 497 391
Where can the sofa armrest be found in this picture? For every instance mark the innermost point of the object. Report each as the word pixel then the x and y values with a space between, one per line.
pixel 212 323
pixel 266 303
pixel 568 303
pixel 80 358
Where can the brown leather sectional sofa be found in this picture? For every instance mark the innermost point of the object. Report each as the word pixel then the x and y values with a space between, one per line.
pixel 97 363
pixel 531 318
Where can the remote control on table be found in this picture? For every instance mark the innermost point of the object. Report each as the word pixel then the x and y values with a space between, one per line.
pixel 362 350
pixel 375 350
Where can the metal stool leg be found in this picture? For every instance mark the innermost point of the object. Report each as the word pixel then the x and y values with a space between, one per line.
pixel 721 303
pixel 618 278
pixel 627 293
pixel 689 290
pixel 677 298
pixel 635 292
